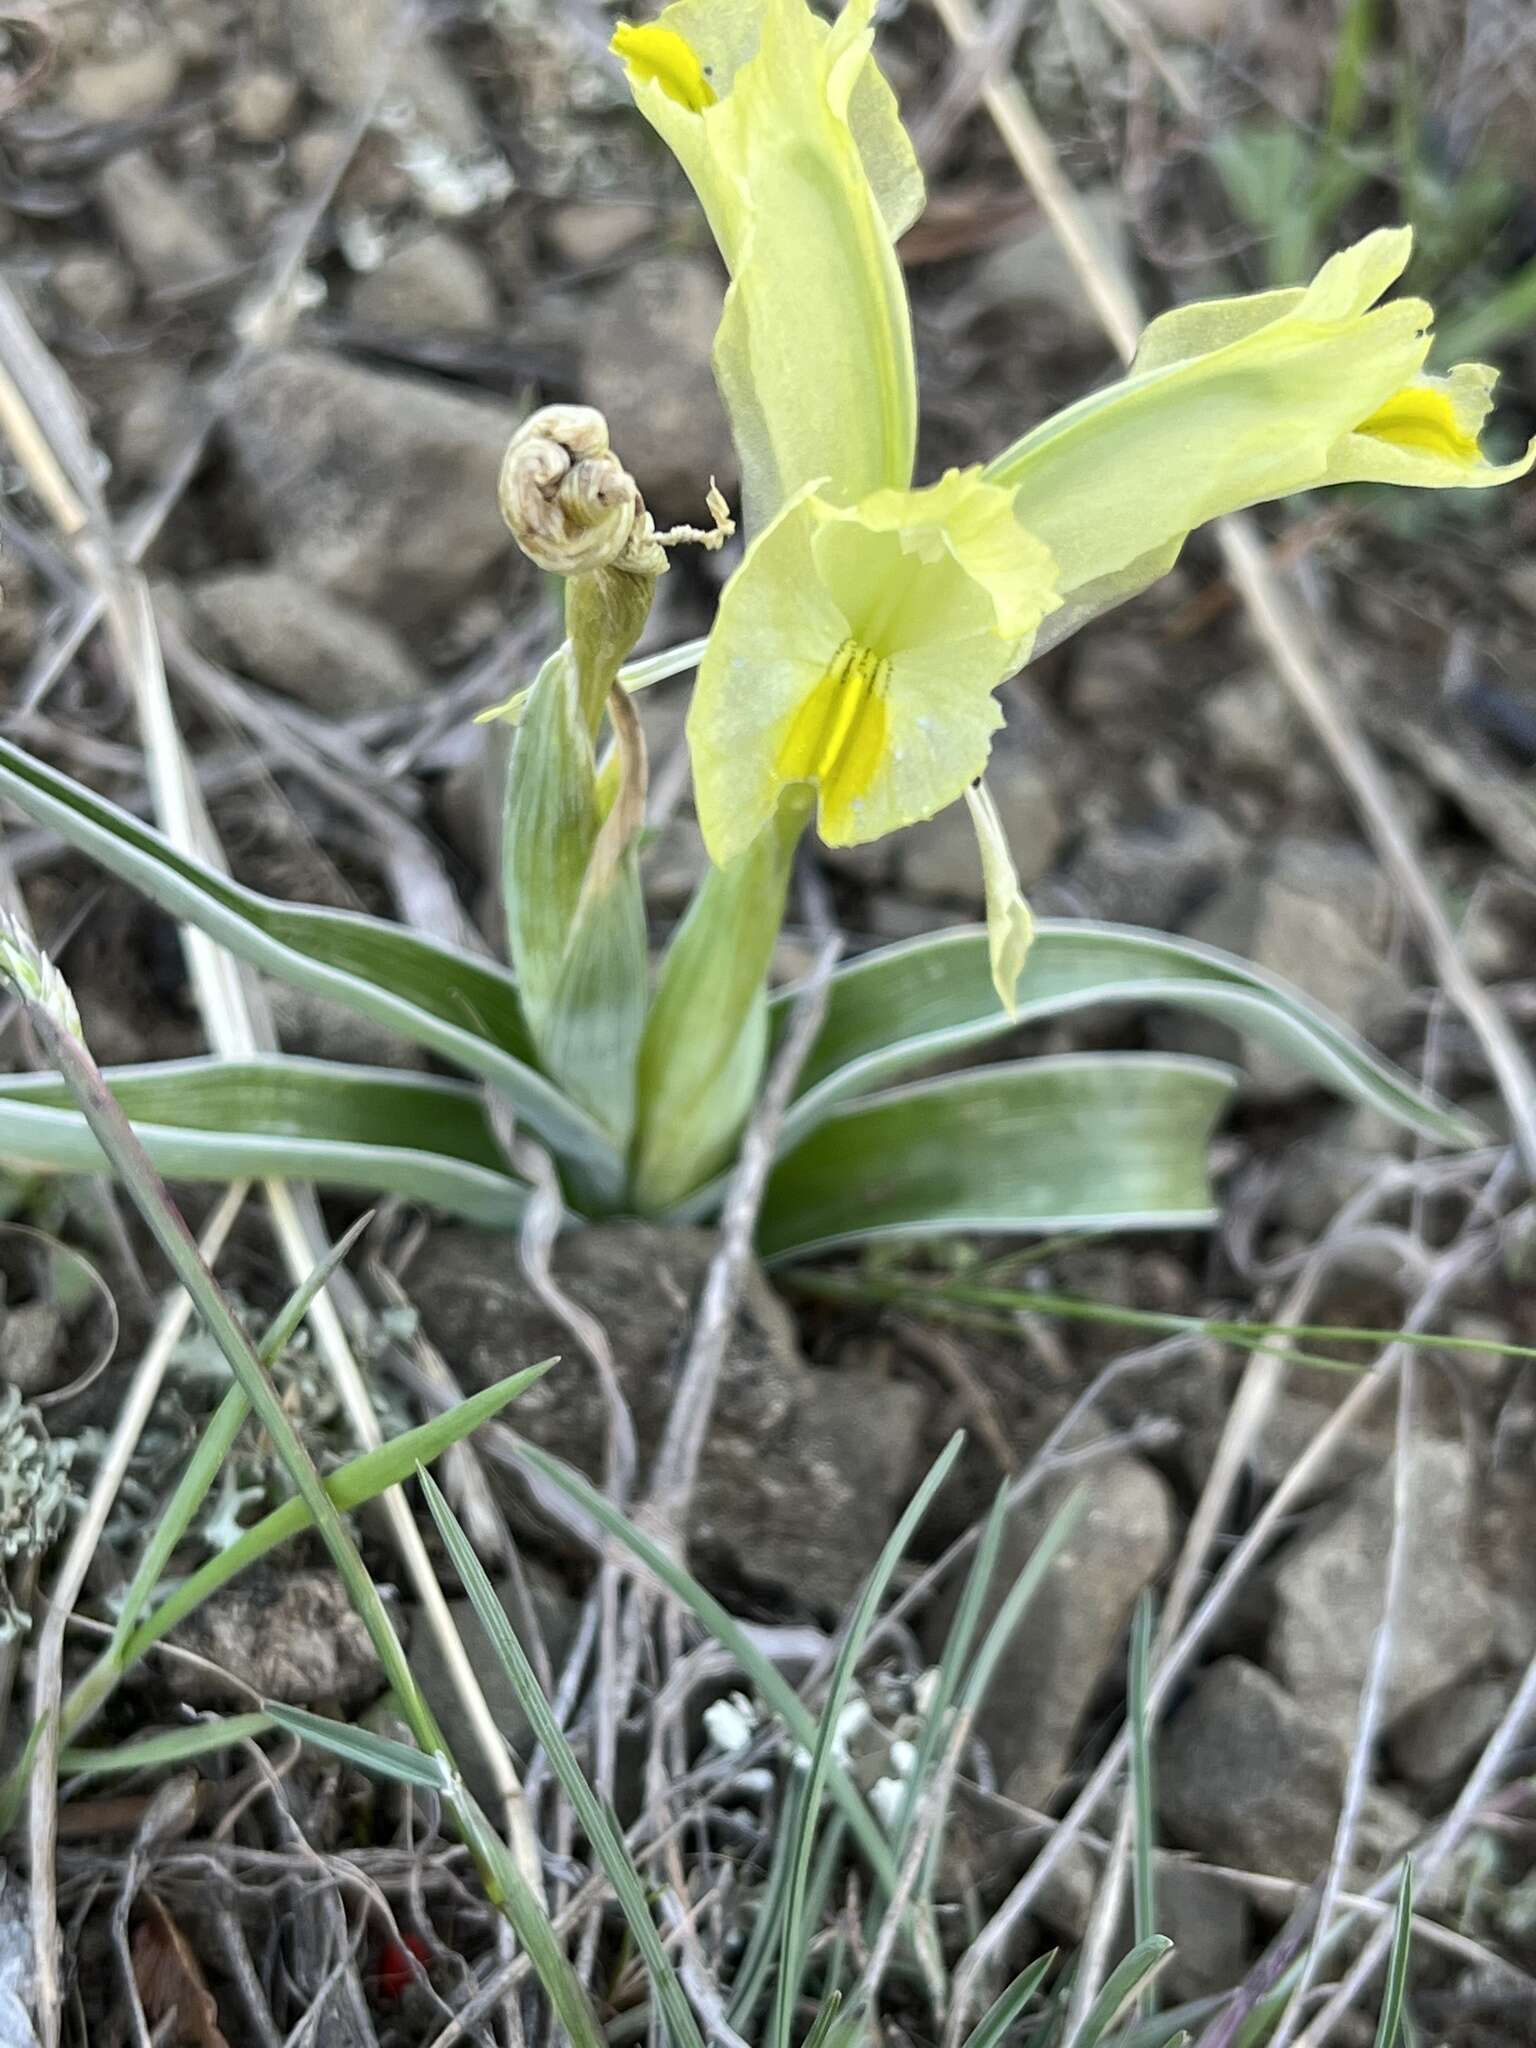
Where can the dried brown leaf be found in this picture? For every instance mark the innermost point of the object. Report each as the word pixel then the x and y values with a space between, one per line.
pixel 170 1980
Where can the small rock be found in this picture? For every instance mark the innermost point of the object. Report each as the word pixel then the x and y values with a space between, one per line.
pixel 1114 677
pixel 1210 1924
pixel 647 367
pixel 557 1613
pixel 93 286
pixel 1321 917
pixel 1252 728
pixel 288 1636
pixel 939 859
pixel 1328 1594
pixel 587 232
pixel 435 284
pixel 261 104
pixel 1246 1777
pixel 1437 1739
pixel 380 488
pixel 125 88
pixel 1154 871
pixel 1072 1629
pixel 803 1472
pixel 278 630
pixel 167 238
pixel 30 1339
pixel 337 50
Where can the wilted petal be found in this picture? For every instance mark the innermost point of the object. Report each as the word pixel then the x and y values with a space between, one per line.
pixel 1010 928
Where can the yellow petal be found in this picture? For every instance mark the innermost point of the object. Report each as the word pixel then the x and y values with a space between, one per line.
pixel 804 172
pixel 1226 405
pixel 1010 928
pixel 857 650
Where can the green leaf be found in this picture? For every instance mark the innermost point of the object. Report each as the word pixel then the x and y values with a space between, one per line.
pixel 931 998
pixel 575 916
pixel 175 1746
pixel 209 1119
pixel 701 1059
pixel 991 2028
pixel 1122 1984
pixel 461 1006
pixel 1105 1141
pixel 596 1821
pixel 1390 2024
pixel 358 1481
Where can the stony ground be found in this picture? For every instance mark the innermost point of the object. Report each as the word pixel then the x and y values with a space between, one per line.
pixel 303 299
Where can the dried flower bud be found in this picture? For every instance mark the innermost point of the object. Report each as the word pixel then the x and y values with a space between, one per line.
pixel 571 504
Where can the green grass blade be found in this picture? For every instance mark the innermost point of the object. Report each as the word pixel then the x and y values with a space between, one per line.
pixel 1121 1986
pixel 214 1444
pixel 769 1683
pixel 950 1672
pixel 401 1765
pixel 1143 1881
pixel 993 2025
pixel 457 1003
pixel 1390 2024
pixel 176 1746
pixel 796 1934
pixel 379 1755
pixel 1103 1141
pixel 360 1480
pixel 370 1128
pixel 606 1842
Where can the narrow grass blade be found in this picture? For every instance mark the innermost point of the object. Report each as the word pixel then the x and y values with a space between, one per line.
pixel 796 1934
pixel 413 1135
pixel 1143 1882
pixel 1389 2026
pixel 360 1480
pixel 951 1668
pixel 1101 1141
pixel 379 1755
pixel 767 1680
pixel 176 1746
pixel 993 2025
pixel 905 1006
pixel 1121 1986
pixel 457 1003
pixel 214 1444
pixel 606 1842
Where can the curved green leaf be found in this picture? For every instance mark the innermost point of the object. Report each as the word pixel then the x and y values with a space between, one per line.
pixel 1100 1141
pixel 339 1126
pixel 461 1006
pixel 930 998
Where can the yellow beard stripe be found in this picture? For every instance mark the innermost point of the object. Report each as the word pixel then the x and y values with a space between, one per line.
pixel 1421 417
pixel 660 56
pixel 837 737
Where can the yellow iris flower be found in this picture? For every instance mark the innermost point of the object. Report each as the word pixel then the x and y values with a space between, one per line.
pixel 859 645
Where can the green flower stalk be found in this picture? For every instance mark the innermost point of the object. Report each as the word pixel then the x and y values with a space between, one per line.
pixel 859 646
